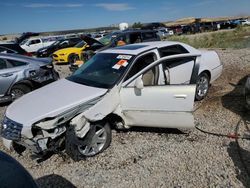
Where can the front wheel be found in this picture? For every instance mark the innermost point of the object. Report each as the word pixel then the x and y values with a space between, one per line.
pixel 96 141
pixel 19 90
pixel 202 86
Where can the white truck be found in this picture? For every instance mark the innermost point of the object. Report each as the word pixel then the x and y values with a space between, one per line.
pixel 32 45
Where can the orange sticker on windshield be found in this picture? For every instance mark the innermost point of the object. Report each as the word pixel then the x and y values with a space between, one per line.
pixel 121 63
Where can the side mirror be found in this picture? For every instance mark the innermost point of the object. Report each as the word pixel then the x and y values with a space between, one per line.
pixel 139 83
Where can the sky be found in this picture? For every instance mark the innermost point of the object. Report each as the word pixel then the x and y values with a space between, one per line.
pixel 18 16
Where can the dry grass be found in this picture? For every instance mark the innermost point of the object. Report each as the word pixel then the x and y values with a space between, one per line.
pixel 237 38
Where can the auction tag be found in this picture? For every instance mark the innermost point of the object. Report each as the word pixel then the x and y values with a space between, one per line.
pixel 121 63
pixel 127 57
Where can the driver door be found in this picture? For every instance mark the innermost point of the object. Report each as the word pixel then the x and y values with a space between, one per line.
pixel 148 98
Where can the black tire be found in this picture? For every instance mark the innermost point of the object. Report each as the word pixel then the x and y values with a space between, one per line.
pixel 19 90
pixel 202 86
pixel 72 58
pixel 75 145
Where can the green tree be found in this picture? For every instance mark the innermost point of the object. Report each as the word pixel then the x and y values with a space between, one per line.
pixel 137 25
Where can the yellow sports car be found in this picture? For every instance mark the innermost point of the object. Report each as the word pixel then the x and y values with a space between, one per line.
pixel 70 55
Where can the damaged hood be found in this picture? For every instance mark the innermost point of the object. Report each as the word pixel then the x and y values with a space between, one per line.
pixel 51 100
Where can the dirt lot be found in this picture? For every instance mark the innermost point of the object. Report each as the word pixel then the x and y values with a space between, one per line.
pixel 164 157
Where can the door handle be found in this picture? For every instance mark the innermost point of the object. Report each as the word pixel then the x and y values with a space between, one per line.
pixel 181 96
pixel 6 75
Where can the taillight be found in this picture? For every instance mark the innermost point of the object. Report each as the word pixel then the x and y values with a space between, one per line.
pixel 28 54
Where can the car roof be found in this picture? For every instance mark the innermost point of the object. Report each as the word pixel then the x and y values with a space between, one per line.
pixel 138 31
pixel 138 48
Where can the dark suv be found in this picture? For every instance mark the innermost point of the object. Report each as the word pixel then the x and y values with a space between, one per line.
pixel 129 37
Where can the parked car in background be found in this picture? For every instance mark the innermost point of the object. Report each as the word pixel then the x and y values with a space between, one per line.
pixel 162 32
pixel 21 74
pixel 150 84
pixel 59 44
pixel 69 55
pixel 117 39
pixel 14 49
pixel 177 30
pixel 130 37
pixel 25 36
pixel 228 25
pixel 245 22
pixel 32 45
pixel 15 45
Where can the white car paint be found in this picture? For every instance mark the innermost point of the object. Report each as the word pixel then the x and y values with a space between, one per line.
pixel 51 100
pixel 159 105
pixel 34 44
pixel 245 22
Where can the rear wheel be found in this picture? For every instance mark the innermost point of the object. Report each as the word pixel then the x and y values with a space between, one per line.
pixel 202 86
pixel 19 90
pixel 96 141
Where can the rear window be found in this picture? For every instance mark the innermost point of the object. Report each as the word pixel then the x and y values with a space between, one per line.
pixel 148 35
pixel 172 50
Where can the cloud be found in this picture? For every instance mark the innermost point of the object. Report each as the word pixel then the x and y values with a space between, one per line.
pixel 115 6
pixel 48 5
pixel 203 3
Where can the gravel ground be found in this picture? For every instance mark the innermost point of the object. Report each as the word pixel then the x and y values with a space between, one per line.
pixel 166 157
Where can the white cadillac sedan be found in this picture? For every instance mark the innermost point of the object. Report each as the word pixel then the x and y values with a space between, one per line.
pixel 150 84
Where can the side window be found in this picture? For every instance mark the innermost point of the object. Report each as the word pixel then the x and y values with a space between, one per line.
pixel 3 64
pixel 135 38
pixel 141 63
pixel 178 71
pixel 172 50
pixel 151 76
pixel 35 41
pixel 148 36
pixel 121 40
pixel 15 63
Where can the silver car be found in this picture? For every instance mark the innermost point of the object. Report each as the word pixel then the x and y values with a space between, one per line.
pixel 21 74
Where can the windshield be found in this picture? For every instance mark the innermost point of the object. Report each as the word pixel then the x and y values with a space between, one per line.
pixel 108 38
pixel 80 44
pixel 23 42
pixel 102 70
pixel 57 42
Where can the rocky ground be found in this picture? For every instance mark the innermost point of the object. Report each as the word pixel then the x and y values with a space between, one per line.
pixel 164 157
